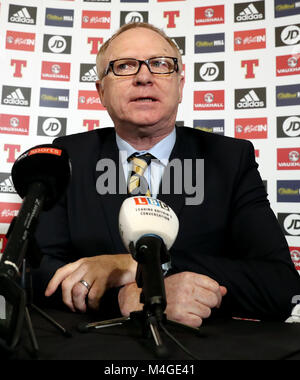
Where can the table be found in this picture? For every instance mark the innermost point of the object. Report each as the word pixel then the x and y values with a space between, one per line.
pixel 216 339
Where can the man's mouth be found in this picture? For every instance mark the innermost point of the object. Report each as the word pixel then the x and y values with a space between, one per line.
pixel 144 100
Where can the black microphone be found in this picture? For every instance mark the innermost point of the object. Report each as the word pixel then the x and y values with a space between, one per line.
pixel 40 176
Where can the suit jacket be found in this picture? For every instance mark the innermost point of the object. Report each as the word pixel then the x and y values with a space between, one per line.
pixel 232 236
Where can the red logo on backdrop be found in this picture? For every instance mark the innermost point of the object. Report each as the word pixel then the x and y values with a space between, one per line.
pixel 256 153
pixel 250 64
pixel 89 100
pixel 20 40
pixel 91 124
pixel 171 15
pixel 3 242
pixel 95 19
pixel 59 71
pixel 288 158
pixel 18 65
pixel 208 100
pixel 250 39
pixel 14 124
pixel 295 255
pixel 209 15
pixel 12 150
pixel 287 65
pixel 95 44
pixel 8 211
pixel 254 128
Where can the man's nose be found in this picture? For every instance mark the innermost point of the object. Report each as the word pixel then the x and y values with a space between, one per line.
pixel 143 76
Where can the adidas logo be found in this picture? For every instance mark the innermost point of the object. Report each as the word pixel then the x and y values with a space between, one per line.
pixel 249 13
pixel 250 100
pixel 7 186
pixel 90 75
pixel 22 16
pixel 16 98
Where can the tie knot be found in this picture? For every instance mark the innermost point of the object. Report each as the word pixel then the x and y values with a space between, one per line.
pixel 137 184
pixel 140 162
pixel 147 157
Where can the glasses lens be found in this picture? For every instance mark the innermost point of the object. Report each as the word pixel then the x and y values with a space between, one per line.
pixel 161 65
pixel 125 66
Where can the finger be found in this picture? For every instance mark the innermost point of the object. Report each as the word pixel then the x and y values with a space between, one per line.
pixel 59 276
pixel 129 299
pixel 95 293
pixel 207 297
pixel 67 287
pixel 79 294
pixel 191 320
pixel 191 313
pixel 223 290
pixel 206 282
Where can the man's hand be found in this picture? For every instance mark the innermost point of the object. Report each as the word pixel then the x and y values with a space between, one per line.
pixel 100 272
pixel 190 298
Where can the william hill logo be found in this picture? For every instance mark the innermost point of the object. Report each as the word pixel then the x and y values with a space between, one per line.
pixel 54 97
pixel 288 95
pixel 288 191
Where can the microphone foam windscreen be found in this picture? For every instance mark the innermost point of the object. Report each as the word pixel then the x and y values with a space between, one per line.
pixel 141 216
pixel 45 163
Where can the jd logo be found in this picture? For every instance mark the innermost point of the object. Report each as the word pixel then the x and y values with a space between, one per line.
pixel 292 224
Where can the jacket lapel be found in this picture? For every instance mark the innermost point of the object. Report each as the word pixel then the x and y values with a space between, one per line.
pixel 184 149
pixel 112 202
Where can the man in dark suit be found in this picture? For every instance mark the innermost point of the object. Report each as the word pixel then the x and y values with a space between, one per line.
pixel 230 253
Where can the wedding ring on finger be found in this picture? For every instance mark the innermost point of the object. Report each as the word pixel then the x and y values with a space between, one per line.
pixel 86 284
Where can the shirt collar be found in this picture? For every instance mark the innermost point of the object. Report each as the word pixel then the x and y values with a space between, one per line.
pixel 161 151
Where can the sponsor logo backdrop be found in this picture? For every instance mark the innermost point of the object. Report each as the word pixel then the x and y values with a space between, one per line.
pixel 241 64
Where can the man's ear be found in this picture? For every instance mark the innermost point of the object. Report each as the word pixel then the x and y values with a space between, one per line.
pixel 181 85
pixel 100 91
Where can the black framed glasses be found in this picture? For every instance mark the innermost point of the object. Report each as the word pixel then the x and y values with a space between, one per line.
pixel 131 66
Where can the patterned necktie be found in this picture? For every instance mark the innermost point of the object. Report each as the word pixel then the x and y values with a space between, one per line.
pixel 137 183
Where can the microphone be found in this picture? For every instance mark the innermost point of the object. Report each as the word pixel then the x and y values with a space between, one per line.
pixel 148 228
pixel 40 176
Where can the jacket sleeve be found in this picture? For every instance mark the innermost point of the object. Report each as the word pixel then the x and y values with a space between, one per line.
pixel 255 264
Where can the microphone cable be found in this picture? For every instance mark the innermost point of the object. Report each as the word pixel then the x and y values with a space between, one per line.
pixel 176 341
